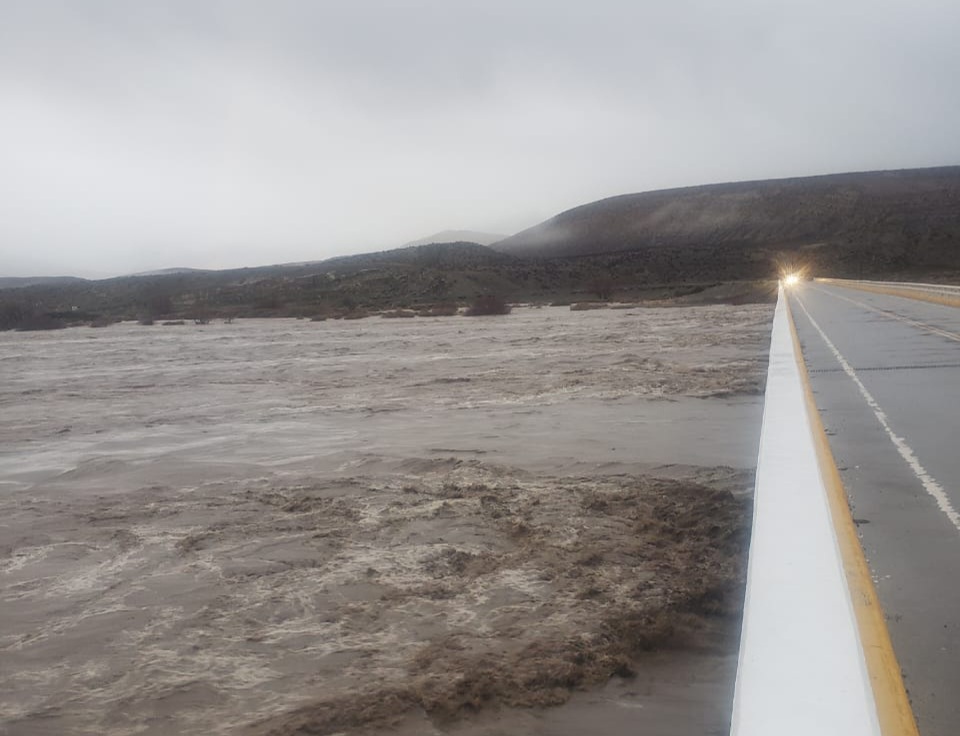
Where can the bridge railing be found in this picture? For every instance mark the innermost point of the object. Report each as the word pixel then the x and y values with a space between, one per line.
pixel 938 293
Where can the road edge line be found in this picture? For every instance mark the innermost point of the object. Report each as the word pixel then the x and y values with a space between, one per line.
pixel 894 712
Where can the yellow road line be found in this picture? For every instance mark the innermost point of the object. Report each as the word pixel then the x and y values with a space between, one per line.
pixel 899 317
pixel 893 706
pixel 922 296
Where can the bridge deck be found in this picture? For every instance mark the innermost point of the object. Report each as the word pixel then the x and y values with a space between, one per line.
pixel 885 372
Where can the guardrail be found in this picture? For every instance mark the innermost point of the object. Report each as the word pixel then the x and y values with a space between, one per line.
pixel 935 288
pixel 815 657
pixel 947 294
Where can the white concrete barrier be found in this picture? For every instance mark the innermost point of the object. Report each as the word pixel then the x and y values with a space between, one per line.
pixel 802 668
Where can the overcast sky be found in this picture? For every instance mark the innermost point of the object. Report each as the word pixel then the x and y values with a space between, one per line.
pixel 141 134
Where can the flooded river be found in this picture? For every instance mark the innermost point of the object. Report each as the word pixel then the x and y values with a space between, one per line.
pixel 430 525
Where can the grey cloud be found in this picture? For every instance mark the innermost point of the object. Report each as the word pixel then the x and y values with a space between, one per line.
pixel 142 135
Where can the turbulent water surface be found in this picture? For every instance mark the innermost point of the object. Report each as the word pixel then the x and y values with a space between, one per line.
pixel 277 525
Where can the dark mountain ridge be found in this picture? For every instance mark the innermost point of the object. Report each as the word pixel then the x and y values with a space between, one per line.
pixel 857 222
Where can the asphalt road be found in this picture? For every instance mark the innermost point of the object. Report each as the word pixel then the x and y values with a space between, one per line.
pixel 885 372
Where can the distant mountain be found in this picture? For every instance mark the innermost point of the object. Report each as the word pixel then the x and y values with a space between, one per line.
pixel 432 255
pixel 14 282
pixel 457 236
pixel 170 271
pixel 847 224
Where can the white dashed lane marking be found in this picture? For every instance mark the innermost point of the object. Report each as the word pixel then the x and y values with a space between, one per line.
pixel 929 483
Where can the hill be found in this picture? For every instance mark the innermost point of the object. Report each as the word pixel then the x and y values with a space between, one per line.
pixel 873 223
pixel 428 277
pixel 16 282
pixel 423 276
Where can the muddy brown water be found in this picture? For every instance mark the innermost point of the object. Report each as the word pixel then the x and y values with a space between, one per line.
pixel 249 526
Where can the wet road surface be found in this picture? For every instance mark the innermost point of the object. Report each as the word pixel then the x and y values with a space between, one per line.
pixel 885 372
